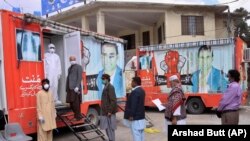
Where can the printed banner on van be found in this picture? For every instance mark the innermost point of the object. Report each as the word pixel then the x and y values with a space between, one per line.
pixel 99 57
pixel 201 69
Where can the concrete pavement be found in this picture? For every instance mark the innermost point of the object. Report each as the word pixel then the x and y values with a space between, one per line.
pixel 123 133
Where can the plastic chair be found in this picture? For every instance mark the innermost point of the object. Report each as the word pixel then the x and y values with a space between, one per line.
pixel 14 132
pixel 1 136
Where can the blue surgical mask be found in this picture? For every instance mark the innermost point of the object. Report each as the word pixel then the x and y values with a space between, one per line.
pixel 103 82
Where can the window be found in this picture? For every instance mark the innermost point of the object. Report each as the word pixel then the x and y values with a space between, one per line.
pixel 130 41
pixel 192 25
pixel 146 38
pixel 159 35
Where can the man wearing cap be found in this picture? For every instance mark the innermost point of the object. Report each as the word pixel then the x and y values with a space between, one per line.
pixel 53 70
pixel 108 108
pixel 175 112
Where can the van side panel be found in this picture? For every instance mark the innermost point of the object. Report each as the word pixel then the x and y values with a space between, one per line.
pixel 201 66
pixel 23 69
pixel 2 76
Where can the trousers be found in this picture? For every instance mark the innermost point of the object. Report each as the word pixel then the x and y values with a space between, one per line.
pixel 44 135
pixel 76 107
pixel 231 117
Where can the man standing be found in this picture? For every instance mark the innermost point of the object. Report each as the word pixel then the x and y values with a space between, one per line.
pixel 109 108
pixel 46 113
pixel 53 70
pixel 109 62
pixel 175 112
pixel 231 100
pixel 135 111
pixel 73 87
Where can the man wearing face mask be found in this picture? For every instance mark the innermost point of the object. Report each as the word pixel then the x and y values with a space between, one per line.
pixel 108 107
pixel 46 113
pixel 73 87
pixel 53 70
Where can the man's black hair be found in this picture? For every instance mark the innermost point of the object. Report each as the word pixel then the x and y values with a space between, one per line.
pixel 203 48
pixel 110 44
pixel 137 80
pixel 235 74
pixel 45 81
pixel 106 76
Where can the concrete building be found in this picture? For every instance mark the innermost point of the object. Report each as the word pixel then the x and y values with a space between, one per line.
pixel 151 23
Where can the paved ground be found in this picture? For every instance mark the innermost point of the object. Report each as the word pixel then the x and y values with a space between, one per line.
pixel 123 133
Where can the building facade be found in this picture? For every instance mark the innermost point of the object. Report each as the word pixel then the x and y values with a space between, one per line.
pixel 144 24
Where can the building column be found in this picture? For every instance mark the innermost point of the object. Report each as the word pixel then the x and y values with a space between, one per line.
pixel 151 35
pixel 137 39
pixel 165 27
pixel 85 23
pixel 100 22
pixel 140 40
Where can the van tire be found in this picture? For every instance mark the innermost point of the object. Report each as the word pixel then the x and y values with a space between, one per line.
pixel 93 116
pixel 195 106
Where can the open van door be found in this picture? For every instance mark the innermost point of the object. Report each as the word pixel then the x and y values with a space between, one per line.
pixel 72 47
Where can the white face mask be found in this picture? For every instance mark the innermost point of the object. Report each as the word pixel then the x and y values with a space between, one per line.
pixel 52 50
pixel 72 62
pixel 46 86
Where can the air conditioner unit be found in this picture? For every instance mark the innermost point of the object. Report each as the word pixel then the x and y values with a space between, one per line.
pixel 246 55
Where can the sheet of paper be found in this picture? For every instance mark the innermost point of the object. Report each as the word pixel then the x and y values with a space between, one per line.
pixel 159 105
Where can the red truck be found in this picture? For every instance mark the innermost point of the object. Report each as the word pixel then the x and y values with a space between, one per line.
pixel 201 66
pixel 23 41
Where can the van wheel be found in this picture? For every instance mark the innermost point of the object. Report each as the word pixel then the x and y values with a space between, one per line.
pixel 195 106
pixel 93 116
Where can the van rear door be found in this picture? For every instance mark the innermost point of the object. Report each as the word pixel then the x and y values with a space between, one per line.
pixel 72 47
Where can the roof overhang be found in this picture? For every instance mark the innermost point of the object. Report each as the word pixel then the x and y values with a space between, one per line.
pixel 126 15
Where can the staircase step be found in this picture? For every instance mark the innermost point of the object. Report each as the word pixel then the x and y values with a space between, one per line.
pixel 63 109
pixel 98 136
pixel 81 125
pixel 87 131
pixel 67 115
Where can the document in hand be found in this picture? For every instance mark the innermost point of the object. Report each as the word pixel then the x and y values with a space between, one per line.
pixel 158 103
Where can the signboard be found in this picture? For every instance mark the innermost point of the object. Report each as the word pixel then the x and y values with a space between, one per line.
pixel 49 6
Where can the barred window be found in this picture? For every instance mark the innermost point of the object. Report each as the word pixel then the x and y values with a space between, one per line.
pixel 130 41
pixel 159 35
pixel 192 25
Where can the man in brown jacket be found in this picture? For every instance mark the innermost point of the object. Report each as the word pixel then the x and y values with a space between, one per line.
pixel 109 108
